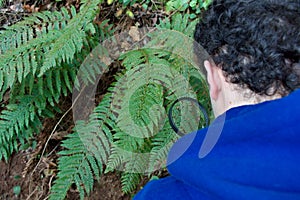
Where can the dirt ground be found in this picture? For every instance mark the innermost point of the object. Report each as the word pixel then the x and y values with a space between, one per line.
pixel 28 175
pixel 36 186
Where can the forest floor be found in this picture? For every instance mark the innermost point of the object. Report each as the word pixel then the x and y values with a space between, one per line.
pixel 29 174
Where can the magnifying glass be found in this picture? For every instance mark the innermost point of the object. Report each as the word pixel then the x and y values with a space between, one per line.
pixel 200 106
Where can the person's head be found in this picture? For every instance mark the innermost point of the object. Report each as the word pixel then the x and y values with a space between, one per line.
pixel 255 50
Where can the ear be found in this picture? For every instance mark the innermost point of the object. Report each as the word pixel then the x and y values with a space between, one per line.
pixel 213 79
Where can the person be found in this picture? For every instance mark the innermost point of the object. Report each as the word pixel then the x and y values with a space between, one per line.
pixel 254 79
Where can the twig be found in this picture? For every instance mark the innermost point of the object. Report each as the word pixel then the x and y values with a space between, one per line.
pixel 28 198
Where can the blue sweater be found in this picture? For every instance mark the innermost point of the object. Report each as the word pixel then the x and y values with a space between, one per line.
pixel 256 156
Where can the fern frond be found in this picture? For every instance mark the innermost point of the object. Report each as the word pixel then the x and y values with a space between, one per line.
pixel 18 122
pixel 149 73
pixel 77 165
pixel 180 23
pixel 80 162
pixel 32 27
pixel 200 87
pixel 71 40
pixel 173 41
pixel 20 51
pixel 48 89
pixel 59 81
pixel 43 41
pixel 133 164
pixel 87 149
pixel 142 110
pixel 134 169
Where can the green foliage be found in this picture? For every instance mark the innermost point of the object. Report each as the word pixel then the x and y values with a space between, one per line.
pixel 129 130
pixel 155 77
pixel 130 180
pixel 128 2
pixel 182 5
pixel 179 5
pixel 86 150
pixel 43 41
pixel 131 119
pixel 179 23
pixel 39 59
pixel 18 123
pixel 193 7
pixel 127 5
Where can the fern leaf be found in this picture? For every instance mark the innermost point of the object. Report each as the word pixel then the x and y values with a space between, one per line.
pixel 12 62
pixel 20 33
pixel 18 122
pixel 43 41
pixel 63 50
pixel 87 149
pixel 71 40
pixel 141 111
pixel 75 165
pixel 135 58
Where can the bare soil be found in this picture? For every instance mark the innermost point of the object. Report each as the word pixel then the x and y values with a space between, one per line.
pixel 36 186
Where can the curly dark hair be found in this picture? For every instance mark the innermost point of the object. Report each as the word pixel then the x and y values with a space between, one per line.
pixel 255 42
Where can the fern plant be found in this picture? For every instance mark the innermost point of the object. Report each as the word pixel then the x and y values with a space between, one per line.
pixel 157 75
pixel 129 130
pixel 85 152
pixel 149 134
pixel 39 59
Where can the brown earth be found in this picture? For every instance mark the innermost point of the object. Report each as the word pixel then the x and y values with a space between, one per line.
pixel 36 186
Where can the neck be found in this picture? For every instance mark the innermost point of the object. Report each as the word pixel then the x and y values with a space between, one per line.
pixel 231 96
